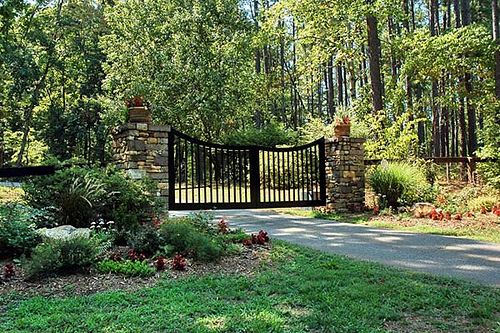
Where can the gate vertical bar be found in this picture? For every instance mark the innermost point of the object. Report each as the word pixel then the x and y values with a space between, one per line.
pixel 171 170
pixel 254 176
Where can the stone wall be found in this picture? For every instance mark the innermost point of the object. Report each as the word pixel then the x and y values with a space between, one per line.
pixel 345 174
pixel 141 149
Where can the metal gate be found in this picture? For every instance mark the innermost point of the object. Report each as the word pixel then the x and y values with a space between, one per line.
pixel 204 175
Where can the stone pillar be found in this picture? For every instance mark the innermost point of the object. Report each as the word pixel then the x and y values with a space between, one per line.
pixel 141 149
pixel 345 174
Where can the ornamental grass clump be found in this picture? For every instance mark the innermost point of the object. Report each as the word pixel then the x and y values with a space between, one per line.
pixel 399 183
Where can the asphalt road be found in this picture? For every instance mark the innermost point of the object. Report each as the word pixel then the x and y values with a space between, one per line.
pixel 441 255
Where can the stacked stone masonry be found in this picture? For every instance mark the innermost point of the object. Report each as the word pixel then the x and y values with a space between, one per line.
pixel 141 149
pixel 345 174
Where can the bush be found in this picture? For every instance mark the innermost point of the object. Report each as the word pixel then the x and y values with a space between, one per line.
pixel 17 230
pixel 187 240
pixel 399 183
pixel 126 267
pixel 486 201
pixel 81 195
pixel 145 240
pixel 62 256
pixel 236 236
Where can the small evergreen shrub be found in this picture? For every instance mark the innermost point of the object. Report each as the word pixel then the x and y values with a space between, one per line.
pixel 62 256
pixel 17 230
pixel 126 267
pixel 145 239
pixel 184 238
pixel 399 183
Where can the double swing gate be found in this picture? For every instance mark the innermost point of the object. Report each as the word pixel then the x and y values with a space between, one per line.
pixel 204 175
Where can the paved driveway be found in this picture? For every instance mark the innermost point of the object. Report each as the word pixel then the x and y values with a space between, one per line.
pixel 441 255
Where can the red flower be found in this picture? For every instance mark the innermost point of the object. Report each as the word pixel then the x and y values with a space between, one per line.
pixel 8 271
pixel 179 263
pixel 223 226
pixel 160 263
pixel 135 101
pixel 247 242
pixel 458 217
pixel 134 256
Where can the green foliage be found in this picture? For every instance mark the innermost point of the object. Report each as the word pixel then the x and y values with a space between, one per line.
pixel 483 201
pixel 126 267
pixel 80 195
pixel 146 239
pixel 17 230
pixel 198 79
pixel 187 240
pixel 235 236
pixel 399 183
pixel 62 256
pixel 271 135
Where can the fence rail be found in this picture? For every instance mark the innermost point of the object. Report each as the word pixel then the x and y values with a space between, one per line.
pixel 439 160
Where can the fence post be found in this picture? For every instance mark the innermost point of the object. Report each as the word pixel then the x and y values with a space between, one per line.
pixel 141 149
pixel 345 174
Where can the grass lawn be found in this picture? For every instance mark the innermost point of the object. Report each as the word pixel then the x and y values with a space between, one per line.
pixel 484 228
pixel 294 290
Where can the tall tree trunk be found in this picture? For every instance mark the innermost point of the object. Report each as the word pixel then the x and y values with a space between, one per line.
pixel 374 57
pixel 458 17
pixel 496 33
pixel 35 97
pixel 434 28
pixel 331 97
pixel 340 85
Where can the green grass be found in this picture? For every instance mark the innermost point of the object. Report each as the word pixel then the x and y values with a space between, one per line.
pixel 484 233
pixel 301 291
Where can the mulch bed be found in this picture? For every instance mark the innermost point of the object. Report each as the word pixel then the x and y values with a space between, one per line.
pixel 245 263
pixel 480 221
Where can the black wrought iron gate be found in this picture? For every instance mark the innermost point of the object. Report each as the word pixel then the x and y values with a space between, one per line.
pixel 204 175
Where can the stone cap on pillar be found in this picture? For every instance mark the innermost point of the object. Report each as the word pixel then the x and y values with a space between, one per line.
pixel 345 139
pixel 141 127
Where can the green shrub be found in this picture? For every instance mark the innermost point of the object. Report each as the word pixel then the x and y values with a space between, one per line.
pixel 187 240
pixel 145 240
pixel 399 183
pixel 486 201
pixel 235 236
pixel 126 267
pixel 62 256
pixel 80 195
pixel 17 230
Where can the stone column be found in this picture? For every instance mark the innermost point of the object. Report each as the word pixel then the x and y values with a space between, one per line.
pixel 141 149
pixel 345 174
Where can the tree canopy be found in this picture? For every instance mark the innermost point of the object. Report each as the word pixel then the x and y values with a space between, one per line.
pixel 418 78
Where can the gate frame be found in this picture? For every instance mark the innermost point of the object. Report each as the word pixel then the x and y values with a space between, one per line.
pixel 254 166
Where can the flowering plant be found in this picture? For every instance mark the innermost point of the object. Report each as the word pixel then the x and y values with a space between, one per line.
pixel 135 102
pixel 344 120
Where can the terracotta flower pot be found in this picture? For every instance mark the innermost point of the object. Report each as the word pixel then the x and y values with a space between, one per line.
pixel 342 130
pixel 139 114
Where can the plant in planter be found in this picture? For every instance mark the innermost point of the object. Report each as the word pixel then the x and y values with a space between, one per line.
pixel 137 110
pixel 342 126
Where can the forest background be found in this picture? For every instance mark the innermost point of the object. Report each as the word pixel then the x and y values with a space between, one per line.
pixel 417 78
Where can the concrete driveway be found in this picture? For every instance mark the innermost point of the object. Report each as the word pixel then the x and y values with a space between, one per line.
pixel 441 255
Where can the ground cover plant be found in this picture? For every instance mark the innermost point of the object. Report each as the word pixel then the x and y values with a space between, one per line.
pixel 293 289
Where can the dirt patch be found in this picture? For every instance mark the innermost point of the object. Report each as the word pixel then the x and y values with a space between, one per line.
pixel 417 324
pixel 245 263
